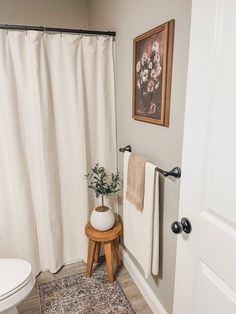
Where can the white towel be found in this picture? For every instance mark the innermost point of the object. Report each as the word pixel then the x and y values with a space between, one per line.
pixel 141 229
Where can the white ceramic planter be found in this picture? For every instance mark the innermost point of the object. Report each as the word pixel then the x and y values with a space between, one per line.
pixel 102 221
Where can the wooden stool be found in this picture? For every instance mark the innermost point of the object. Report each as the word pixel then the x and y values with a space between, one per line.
pixel 110 242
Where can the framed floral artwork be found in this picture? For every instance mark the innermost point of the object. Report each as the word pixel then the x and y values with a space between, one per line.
pixel 152 67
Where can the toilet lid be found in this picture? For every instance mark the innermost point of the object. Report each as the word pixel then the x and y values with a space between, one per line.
pixel 14 273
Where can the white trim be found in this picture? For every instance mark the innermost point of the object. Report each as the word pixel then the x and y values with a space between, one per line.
pixel 142 284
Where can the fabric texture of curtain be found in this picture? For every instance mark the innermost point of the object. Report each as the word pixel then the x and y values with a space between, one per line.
pixel 57 119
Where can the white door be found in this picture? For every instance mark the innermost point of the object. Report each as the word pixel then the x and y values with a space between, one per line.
pixel 206 258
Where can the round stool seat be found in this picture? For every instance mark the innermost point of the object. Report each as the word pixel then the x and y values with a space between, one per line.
pixel 103 236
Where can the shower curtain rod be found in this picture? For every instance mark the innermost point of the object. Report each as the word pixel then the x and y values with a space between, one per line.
pixel 56 29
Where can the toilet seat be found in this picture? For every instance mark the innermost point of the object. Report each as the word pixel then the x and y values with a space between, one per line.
pixel 14 274
pixel 16 282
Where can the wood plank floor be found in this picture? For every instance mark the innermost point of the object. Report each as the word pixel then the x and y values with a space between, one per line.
pixel 31 304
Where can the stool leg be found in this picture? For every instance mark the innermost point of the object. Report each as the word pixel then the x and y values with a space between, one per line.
pixel 97 251
pixel 108 254
pixel 116 252
pixel 91 249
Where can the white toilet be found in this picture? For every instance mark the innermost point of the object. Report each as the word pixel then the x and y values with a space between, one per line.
pixel 16 282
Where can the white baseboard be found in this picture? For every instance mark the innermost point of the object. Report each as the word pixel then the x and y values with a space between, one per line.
pixel 142 285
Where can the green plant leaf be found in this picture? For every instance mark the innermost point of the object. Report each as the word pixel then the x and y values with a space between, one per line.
pixel 102 182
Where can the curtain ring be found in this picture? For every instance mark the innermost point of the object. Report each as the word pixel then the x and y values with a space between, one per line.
pixel 25 30
pixel 97 37
pixel 43 30
pixel 7 29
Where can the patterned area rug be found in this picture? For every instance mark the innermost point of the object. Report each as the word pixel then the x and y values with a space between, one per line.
pixel 77 294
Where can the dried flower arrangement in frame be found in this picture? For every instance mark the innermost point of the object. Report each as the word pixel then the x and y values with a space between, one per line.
pixel 152 68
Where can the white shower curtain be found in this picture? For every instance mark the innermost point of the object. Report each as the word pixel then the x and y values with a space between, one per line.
pixel 57 119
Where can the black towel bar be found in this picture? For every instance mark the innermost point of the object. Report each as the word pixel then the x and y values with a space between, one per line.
pixel 175 172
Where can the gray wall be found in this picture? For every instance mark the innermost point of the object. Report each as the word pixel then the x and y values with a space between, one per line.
pixel 58 13
pixel 160 145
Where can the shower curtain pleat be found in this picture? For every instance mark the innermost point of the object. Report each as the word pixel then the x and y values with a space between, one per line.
pixel 57 119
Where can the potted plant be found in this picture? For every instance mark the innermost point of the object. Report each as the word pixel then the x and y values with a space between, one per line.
pixel 103 184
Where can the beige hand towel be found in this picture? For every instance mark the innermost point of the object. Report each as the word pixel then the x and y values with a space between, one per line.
pixel 136 181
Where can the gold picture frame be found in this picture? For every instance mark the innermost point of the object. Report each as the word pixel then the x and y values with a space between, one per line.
pixel 152 71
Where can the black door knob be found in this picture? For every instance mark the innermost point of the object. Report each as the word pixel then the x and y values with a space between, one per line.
pixel 184 225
